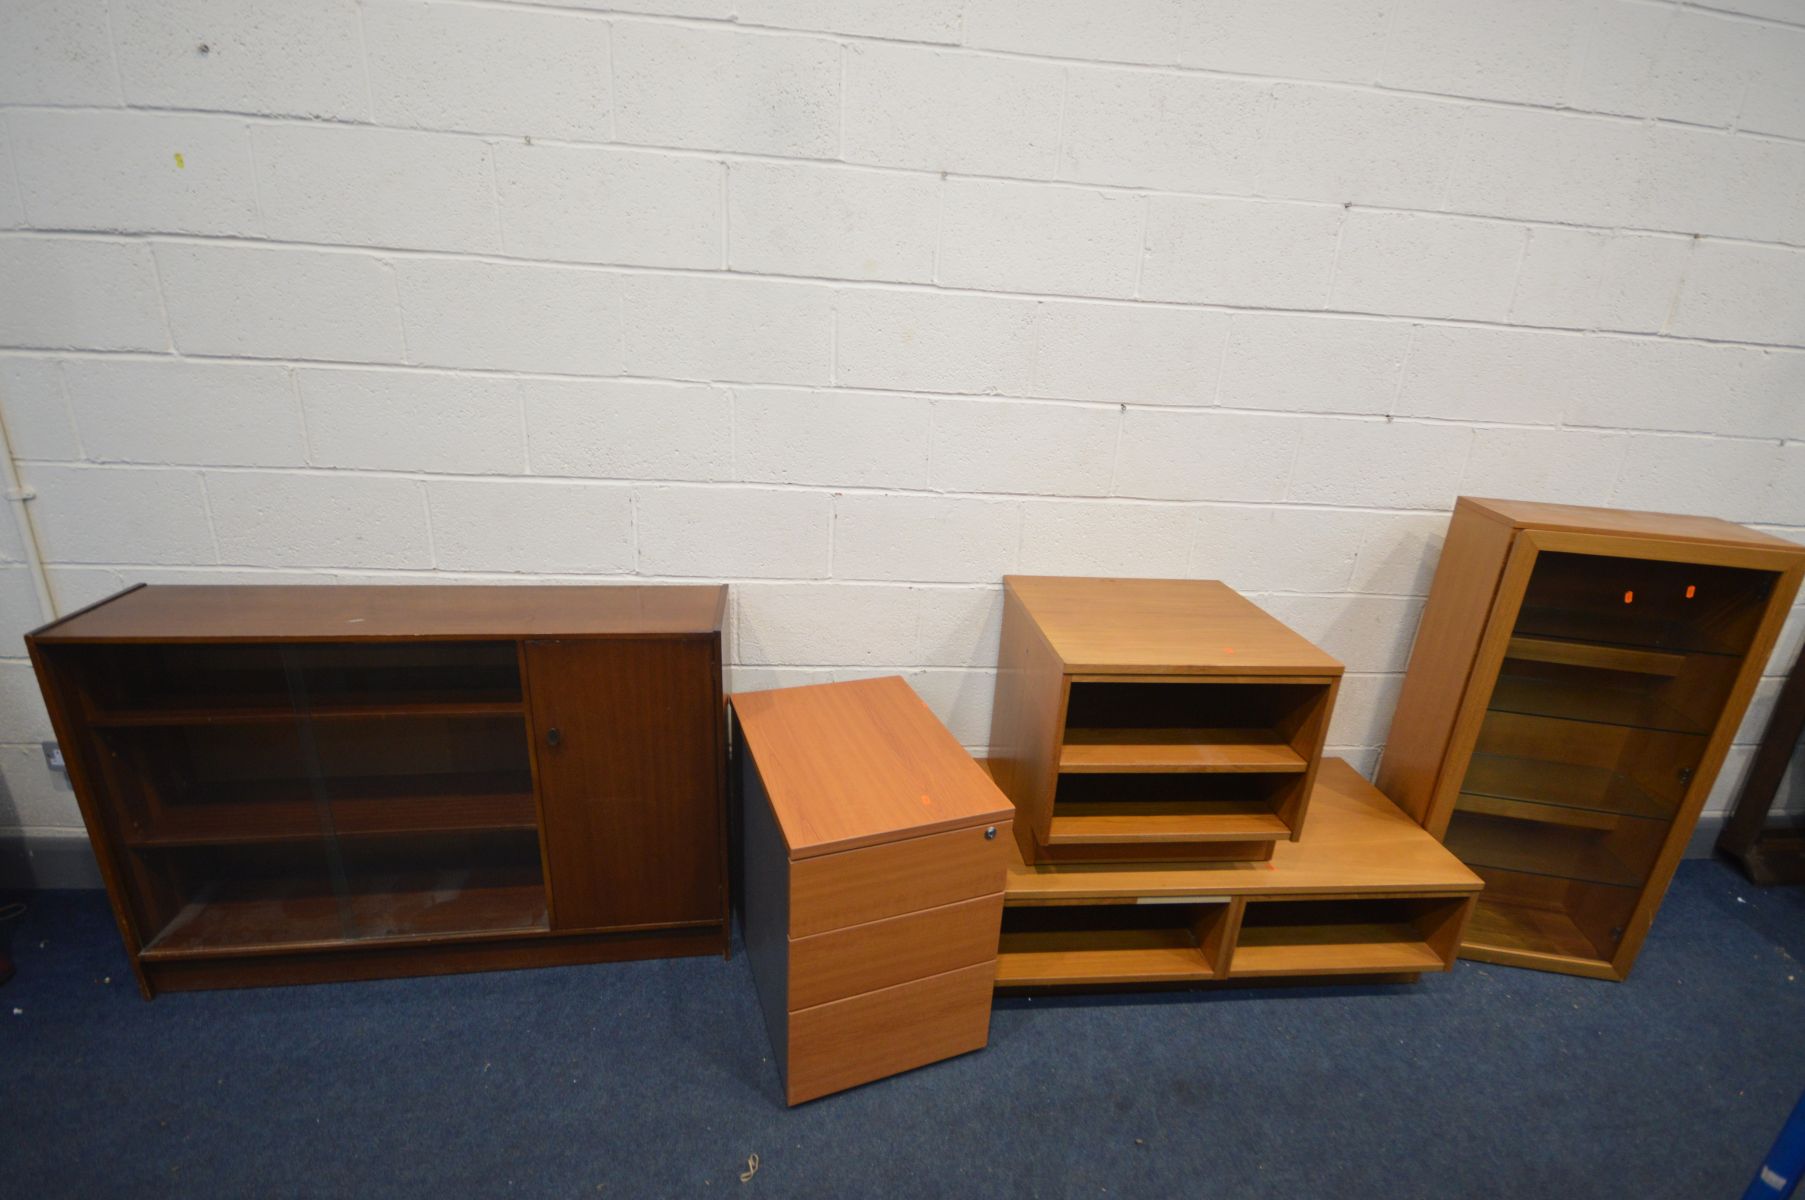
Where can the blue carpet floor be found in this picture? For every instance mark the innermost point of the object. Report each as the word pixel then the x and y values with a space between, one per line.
pixel 653 1080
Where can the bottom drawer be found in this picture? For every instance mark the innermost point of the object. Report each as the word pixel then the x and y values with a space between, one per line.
pixel 848 1042
pixel 881 954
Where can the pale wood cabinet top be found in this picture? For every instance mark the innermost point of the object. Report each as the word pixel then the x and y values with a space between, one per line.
pixel 858 763
pixel 1162 627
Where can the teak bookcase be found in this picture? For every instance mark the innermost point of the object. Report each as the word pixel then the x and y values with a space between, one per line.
pixel 872 850
pixel 1152 719
pixel 1576 681
pixel 295 784
pixel 1365 892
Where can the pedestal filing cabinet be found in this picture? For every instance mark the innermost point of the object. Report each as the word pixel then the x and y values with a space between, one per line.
pixel 295 784
pixel 873 851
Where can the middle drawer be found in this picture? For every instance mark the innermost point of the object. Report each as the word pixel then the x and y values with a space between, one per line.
pixel 879 954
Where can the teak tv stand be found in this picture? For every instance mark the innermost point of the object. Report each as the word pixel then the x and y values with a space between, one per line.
pixel 1154 719
pixel 299 784
pixel 1364 892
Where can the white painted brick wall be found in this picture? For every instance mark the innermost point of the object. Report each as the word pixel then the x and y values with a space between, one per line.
pixel 858 305
pixel 117 170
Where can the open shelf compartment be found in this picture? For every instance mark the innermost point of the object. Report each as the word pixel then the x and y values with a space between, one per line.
pixel 1222 767
pixel 1133 808
pixel 238 783
pixel 252 682
pixel 273 898
pixel 1112 943
pixel 1353 936
pixel 1539 917
pixel 1190 724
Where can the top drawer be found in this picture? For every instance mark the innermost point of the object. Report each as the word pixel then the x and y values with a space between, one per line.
pixel 835 890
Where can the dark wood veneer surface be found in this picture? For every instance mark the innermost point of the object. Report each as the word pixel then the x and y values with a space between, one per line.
pixel 254 613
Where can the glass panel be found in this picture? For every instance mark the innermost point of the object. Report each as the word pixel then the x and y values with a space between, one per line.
pixel 307 794
pixel 1579 694
pixel 1547 915
pixel 1526 781
pixel 1561 851
pixel 419 754
pixel 1602 599
pixel 1616 672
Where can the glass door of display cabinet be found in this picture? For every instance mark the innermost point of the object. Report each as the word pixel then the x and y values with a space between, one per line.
pixel 1603 689
pixel 304 794
pixel 418 755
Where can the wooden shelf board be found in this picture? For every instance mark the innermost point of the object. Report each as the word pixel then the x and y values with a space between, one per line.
pixel 1330 949
pixel 275 916
pixel 1129 821
pixel 1517 928
pixel 1116 751
pixel 1099 956
pixel 290 810
pixel 273 710
pixel 1355 842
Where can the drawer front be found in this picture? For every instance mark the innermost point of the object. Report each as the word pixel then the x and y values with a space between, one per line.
pixel 856 886
pixel 848 1042
pixel 881 954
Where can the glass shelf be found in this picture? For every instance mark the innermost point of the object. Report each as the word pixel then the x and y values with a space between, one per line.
pixel 1575 700
pixel 1558 785
pixel 1537 849
pixel 1618 629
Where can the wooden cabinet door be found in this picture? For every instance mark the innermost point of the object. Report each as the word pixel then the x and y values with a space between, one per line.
pixel 627 744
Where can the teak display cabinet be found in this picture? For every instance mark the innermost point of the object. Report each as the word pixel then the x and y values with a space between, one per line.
pixel 872 851
pixel 1366 892
pixel 1576 680
pixel 294 784
pixel 1149 720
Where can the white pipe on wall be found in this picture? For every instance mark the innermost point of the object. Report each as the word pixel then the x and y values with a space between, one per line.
pixel 19 498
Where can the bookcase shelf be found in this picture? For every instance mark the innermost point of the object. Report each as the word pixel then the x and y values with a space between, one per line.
pixel 1129 822
pixel 1539 783
pixel 1178 750
pixel 280 915
pixel 263 710
pixel 278 810
pixel 1537 848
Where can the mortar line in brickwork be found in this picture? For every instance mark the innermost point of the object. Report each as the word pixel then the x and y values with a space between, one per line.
pixel 652 148
pixel 384 254
pixel 866 390
pixel 1182 70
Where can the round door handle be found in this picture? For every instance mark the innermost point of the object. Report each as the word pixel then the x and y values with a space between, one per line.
pixel 554 736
